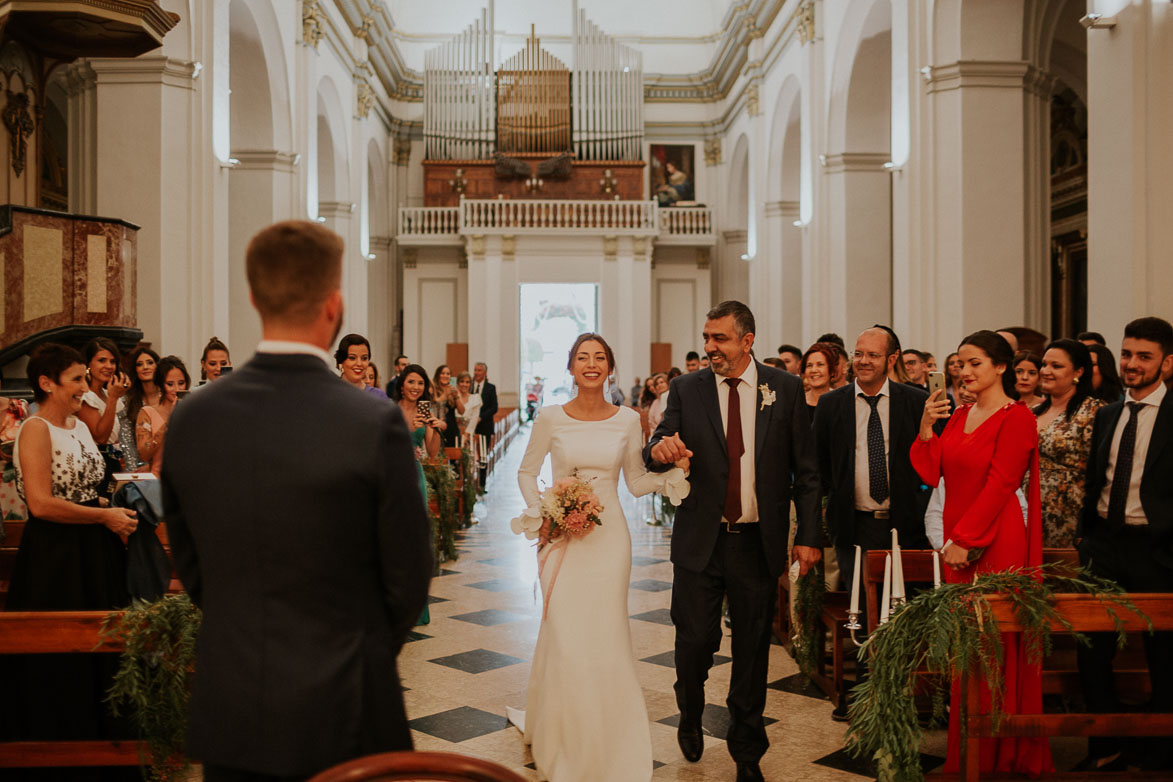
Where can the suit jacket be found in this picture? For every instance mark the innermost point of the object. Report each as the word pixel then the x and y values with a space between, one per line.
pixel 296 523
pixel 1156 488
pixel 488 409
pixel 834 431
pixel 784 466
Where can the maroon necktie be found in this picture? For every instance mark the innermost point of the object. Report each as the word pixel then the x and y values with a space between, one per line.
pixel 736 448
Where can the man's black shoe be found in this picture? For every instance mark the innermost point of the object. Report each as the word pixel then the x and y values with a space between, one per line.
pixel 749 772
pixel 692 744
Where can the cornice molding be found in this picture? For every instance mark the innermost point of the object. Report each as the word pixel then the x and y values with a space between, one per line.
pixel 988 74
pixel 154 69
pixel 849 162
pixel 336 209
pixel 782 208
pixel 265 160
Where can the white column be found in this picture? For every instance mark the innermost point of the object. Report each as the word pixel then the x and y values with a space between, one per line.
pixel 382 300
pixel 786 312
pixel 340 218
pixel 1130 166
pixel 80 82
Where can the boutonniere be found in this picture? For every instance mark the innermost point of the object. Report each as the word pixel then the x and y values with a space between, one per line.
pixel 768 396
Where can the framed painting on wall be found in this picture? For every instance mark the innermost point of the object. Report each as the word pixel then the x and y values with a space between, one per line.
pixel 670 173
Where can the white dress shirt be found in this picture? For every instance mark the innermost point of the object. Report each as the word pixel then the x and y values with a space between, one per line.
pixel 1146 419
pixel 863 411
pixel 285 347
pixel 747 395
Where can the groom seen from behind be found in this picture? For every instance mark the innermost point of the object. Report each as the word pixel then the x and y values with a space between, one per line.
pixel 297 525
pixel 746 428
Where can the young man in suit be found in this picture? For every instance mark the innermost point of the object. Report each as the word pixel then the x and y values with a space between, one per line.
pixel 401 363
pixel 746 429
pixel 297 526
pixel 1126 529
pixel 863 433
pixel 488 392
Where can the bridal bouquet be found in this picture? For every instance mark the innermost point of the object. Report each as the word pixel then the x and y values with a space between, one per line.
pixel 568 509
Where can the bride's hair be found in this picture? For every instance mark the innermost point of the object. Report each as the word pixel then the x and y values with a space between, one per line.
pixel 591 337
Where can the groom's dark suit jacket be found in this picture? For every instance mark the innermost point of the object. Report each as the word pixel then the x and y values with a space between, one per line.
pixel 834 429
pixel 785 466
pixel 297 525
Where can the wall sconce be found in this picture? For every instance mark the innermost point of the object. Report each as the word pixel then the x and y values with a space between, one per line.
pixel 1098 22
pixel 533 185
pixel 608 183
pixel 458 183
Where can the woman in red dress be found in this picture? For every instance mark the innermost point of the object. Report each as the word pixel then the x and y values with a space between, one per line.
pixel 983 454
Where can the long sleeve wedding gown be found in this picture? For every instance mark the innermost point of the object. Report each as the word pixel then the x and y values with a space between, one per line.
pixel 585 713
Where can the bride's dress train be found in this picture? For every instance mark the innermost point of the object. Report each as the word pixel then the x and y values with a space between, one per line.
pixel 585 715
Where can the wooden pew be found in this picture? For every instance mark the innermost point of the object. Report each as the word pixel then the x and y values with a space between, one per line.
pixel 1085 613
pixel 52 633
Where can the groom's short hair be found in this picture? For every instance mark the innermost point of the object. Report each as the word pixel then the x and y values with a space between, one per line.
pixel 742 317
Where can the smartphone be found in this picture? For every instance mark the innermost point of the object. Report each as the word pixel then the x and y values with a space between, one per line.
pixel 225 370
pixel 424 408
pixel 182 394
pixel 936 382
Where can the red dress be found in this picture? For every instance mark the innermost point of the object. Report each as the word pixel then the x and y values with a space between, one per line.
pixel 982 471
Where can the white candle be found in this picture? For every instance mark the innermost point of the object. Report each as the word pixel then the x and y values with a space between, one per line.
pixel 897 569
pixel 855 583
pixel 936 569
pixel 886 600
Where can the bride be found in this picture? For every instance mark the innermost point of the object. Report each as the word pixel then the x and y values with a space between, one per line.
pixel 585 715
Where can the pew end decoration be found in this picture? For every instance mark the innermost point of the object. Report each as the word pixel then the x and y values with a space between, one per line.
pixel 945 631
pixel 807 636
pixel 443 508
pixel 151 687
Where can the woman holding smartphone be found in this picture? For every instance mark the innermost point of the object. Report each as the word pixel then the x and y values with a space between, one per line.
pixel 414 395
pixel 106 387
pixel 151 426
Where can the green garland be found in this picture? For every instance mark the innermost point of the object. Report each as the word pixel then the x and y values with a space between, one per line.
pixel 446 519
pixel 807 633
pixel 470 488
pixel 951 629
pixel 151 685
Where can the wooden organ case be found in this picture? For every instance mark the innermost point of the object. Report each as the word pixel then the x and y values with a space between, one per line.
pixel 533 127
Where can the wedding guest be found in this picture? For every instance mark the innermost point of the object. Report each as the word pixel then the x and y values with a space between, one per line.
pixel 791 358
pixel 1106 383
pixel 401 363
pixel 692 361
pixel 372 376
pixel 648 395
pixel 897 374
pixel 13 413
pixel 151 424
pixel 952 375
pixel 1091 338
pixel 1126 528
pixel 1010 337
pixel 446 403
pixel 930 365
pixel 704 361
pixel 470 405
pixel 820 369
pixel 353 358
pixel 414 386
pixel 983 455
pixel 214 360
pixel 914 366
pixel 1065 420
pixel 71 555
pixel 658 405
pixel 636 389
pixel 106 387
pixel 1026 378
pixel 143 392
pixel 772 361
pixel 488 413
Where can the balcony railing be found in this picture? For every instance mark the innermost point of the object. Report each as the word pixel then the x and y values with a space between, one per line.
pixel 447 225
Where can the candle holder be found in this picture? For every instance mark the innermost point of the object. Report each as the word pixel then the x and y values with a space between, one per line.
pixel 853 625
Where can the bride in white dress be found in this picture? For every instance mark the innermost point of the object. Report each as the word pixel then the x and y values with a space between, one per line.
pixel 585 716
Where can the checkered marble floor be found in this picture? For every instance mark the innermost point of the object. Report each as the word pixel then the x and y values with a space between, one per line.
pixel 473 659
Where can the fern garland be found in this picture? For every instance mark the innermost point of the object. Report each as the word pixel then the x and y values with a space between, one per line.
pixel 950 629
pixel 807 634
pixel 471 489
pixel 446 519
pixel 151 685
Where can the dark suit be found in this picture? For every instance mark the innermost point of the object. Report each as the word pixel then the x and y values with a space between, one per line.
pixel 488 408
pixel 1140 559
pixel 835 444
pixel 297 525
pixel 711 563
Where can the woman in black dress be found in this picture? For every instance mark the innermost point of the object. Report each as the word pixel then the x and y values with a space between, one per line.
pixel 71 557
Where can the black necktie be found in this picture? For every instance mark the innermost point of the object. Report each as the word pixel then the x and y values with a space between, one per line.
pixel 736 448
pixel 877 470
pixel 1122 474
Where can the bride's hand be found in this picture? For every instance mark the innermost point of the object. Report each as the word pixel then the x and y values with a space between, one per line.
pixel 682 463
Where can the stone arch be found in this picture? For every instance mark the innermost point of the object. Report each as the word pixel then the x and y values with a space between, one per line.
pixel 784 188
pixel 858 184
pixel 331 151
pixel 260 116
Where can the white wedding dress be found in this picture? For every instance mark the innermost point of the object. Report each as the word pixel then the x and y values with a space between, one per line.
pixel 585 716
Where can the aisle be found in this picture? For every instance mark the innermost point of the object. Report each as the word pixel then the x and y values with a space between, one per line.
pixel 472 661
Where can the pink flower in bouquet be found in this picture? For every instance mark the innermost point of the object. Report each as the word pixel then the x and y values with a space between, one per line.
pixel 576 523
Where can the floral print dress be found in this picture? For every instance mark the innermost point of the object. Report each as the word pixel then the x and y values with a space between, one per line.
pixel 1064 448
